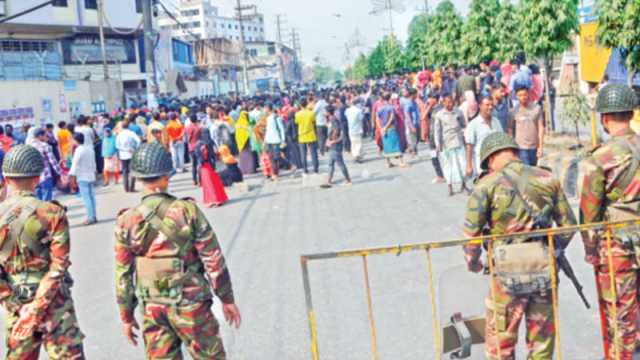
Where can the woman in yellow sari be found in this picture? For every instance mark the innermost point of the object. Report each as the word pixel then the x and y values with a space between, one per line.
pixel 243 130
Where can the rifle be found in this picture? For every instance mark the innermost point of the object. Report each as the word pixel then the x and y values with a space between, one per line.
pixel 542 222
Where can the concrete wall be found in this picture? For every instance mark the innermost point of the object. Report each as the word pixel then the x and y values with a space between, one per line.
pixel 77 95
pixel 198 88
pixel 121 13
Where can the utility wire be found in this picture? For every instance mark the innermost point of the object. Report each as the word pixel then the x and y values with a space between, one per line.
pixel 28 11
pixel 121 32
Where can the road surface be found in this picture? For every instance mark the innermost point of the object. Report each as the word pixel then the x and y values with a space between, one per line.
pixel 263 234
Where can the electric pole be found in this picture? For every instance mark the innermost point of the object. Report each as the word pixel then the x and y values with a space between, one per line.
pixel 103 48
pixel 295 44
pixel 390 11
pixel 245 72
pixel 281 80
pixel 150 63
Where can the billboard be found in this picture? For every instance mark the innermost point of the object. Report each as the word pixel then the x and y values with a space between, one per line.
pixel 85 49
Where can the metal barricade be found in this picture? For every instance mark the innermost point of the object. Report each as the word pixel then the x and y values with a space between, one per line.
pixel 604 230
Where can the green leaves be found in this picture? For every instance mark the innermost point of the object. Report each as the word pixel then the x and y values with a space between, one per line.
pixel 479 41
pixel 546 26
pixel 392 52
pixel 507 32
pixel 360 70
pixel 619 27
pixel 442 41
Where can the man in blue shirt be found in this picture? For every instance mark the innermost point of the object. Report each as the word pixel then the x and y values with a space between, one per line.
pixel 412 120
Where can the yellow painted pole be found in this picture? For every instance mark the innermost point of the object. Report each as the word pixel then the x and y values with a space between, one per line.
pixel 617 341
pixel 594 130
pixel 434 308
pixel 372 322
pixel 554 294
pixel 494 294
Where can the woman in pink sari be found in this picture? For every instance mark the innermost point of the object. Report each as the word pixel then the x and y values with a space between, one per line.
pixel 213 193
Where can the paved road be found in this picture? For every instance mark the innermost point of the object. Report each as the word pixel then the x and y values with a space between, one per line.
pixel 264 232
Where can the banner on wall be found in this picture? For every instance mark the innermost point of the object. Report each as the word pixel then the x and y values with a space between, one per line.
pixel 16 115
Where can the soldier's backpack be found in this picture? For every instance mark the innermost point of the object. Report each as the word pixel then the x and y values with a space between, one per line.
pixel 523 268
pixel 160 280
pixel 13 216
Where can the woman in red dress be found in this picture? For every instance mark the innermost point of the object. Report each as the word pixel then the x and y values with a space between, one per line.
pixel 213 194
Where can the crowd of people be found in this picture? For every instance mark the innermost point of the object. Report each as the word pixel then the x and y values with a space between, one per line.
pixel 227 138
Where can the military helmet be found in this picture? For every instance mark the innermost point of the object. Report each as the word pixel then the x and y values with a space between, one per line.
pixel 23 161
pixel 493 143
pixel 616 98
pixel 150 161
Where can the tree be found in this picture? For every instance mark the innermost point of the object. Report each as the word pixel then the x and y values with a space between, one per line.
pixel 442 41
pixel 324 74
pixel 546 28
pixel 479 41
pixel 507 32
pixel 619 27
pixel 360 69
pixel 414 53
pixel 393 58
pixel 576 109
pixel 376 61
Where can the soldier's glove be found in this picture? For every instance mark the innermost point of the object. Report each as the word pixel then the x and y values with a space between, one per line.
pixel 26 325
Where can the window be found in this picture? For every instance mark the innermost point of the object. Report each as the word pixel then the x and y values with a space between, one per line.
pixel 60 3
pixel 272 50
pixel 139 6
pixel 91 4
pixel 194 12
pixel 195 24
pixel 236 27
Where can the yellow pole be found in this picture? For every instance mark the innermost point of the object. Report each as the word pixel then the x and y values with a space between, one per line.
pixel 554 294
pixel 594 130
pixel 617 342
pixel 494 294
pixel 434 307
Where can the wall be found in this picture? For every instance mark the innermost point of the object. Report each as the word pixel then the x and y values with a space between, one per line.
pixel 61 96
pixel 197 89
pixel 120 13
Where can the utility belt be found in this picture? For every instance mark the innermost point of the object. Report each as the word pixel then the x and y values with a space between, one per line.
pixel 160 280
pixel 523 268
pixel 629 236
pixel 25 285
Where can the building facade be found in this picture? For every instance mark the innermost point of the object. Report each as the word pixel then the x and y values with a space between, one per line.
pixel 201 19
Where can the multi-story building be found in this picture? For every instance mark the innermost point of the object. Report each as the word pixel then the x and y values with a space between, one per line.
pixel 201 19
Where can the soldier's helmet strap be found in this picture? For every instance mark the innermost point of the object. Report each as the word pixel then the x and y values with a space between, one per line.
pixel 155 216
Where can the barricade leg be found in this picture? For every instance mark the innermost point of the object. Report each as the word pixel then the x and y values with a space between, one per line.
pixel 434 307
pixel 372 322
pixel 617 341
pixel 554 294
pixel 310 313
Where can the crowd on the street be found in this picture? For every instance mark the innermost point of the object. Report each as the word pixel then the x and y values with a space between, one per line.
pixel 450 109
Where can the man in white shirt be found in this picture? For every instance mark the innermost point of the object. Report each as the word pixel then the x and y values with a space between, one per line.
pixel 320 109
pixel 83 171
pixel 127 142
pixel 475 133
pixel 84 128
pixel 354 116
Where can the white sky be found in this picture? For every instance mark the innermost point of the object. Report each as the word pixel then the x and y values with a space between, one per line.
pixel 323 34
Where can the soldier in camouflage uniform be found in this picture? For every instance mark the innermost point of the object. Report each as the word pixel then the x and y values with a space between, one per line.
pixel 497 207
pixel 168 258
pixel 611 192
pixel 34 259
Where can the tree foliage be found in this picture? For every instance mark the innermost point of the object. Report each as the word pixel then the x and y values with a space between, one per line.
pixel 619 27
pixel 507 30
pixel 360 69
pixel 546 26
pixel 414 54
pixel 479 40
pixel 442 41
pixel 376 61
pixel 393 57
pixel 324 74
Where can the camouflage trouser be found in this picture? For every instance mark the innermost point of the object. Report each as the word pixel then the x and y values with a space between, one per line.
pixel 166 327
pixel 503 330
pixel 60 334
pixel 626 306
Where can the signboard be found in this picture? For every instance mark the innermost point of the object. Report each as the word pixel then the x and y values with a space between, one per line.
pixel 46 106
pixel 62 102
pixel 594 58
pixel 85 49
pixel 17 114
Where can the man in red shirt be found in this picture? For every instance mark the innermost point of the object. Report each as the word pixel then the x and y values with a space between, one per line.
pixel 193 132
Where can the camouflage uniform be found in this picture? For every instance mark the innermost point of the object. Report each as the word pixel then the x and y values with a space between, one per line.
pixel 494 205
pixel 41 264
pixel 189 321
pixel 605 183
